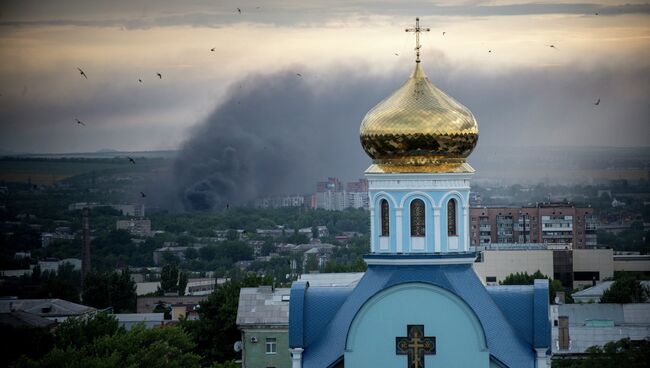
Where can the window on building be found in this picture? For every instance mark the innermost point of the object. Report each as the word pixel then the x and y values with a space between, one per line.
pixel 385 218
pixel 563 333
pixel 417 217
pixel 451 218
pixel 271 345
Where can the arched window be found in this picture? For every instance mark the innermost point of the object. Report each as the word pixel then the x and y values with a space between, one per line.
pixel 451 218
pixel 417 217
pixel 385 218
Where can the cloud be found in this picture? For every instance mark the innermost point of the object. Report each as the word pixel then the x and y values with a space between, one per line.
pixel 149 14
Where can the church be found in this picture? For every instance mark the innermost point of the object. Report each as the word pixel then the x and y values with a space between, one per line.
pixel 419 304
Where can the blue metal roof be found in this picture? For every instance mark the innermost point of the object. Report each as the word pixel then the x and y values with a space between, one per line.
pixel 516 303
pixel 319 319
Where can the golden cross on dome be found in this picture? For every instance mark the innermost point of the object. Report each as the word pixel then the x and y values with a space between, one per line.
pixel 417 31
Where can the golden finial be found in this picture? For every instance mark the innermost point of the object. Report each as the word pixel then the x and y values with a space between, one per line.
pixel 417 31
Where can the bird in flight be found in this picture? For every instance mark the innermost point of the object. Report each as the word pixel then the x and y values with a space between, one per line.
pixel 212 49
pixel 239 10
pixel 596 13
pixel 159 75
pixel 131 160
pixel 142 195
pixel 82 72
pixel 80 122
pixel 552 46
pixel 443 33
pixel 298 74
pixel 140 80
pixel 597 102
pixel 489 51
pixel 396 54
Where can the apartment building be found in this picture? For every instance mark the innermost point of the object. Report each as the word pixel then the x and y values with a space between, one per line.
pixel 561 224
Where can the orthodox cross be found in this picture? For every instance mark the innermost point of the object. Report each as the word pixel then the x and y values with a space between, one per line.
pixel 417 31
pixel 415 345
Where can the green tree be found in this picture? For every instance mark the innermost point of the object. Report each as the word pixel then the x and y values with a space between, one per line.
pixel 626 290
pixel 524 278
pixel 139 347
pixel 312 262
pixel 232 235
pixel 191 253
pixel 615 354
pixel 267 248
pixel 114 289
pixel 216 331
pixel 169 278
pixel 182 283
pixel 79 331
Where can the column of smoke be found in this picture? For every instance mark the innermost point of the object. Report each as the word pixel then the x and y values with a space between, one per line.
pixel 275 134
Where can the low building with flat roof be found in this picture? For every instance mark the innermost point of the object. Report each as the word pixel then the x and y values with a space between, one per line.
pixel 263 319
pixel 576 327
pixel 57 310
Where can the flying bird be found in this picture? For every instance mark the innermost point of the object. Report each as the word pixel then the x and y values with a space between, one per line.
pixel 552 46
pixel 396 54
pixel 489 50
pixel 142 195
pixel 82 72
pixel 298 74
pixel 131 160
pixel 443 33
pixel 597 102
pixel 80 122
pixel 596 13
pixel 212 49
pixel 159 75
pixel 140 80
pixel 239 10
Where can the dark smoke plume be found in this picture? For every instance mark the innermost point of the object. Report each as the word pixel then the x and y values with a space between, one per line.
pixel 276 134
pixel 280 133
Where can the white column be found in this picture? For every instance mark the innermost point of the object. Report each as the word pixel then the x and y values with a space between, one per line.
pixel 373 246
pixel 398 229
pixel 436 226
pixel 296 357
pixel 465 246
pixel 542 359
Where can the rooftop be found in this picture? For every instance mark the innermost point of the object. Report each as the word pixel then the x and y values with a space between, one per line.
pixel 45 307
pixel 263 306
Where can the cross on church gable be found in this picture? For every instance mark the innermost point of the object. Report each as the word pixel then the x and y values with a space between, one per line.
pixel 415 345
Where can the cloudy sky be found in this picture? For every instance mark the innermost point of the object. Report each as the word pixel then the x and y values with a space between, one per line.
pixel 523 92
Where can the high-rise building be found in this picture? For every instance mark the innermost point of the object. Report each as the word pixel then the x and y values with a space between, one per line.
pixel 561 224
pixel 332 195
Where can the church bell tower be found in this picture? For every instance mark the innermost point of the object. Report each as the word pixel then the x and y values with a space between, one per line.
pixel 419 182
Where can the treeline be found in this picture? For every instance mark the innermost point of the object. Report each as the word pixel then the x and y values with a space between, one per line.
pixel 98 341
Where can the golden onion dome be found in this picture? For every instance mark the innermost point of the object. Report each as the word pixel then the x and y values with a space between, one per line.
pixel 419 128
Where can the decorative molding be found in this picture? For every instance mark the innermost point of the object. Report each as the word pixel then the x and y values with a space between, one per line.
pixel 419 261
pixel 418 184
pixel 381 195
pixel 413 195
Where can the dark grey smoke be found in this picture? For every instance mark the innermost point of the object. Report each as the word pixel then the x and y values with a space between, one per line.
pixel 277 134
pixel 281 133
